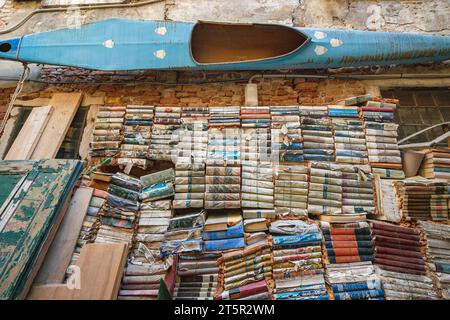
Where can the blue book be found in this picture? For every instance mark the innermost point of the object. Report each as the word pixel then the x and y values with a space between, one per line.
pixel 138 122
pixel 318 157
pixel 321 297
pixel 297 239
pixel 442 267
pixel 224 244
pixel 236 231
pixel 292 157
pixel 373 284
pixel 292 146
pixel 359 295
pixel 121 202
pixel 317 151
pixel 157 191
pixel 298 294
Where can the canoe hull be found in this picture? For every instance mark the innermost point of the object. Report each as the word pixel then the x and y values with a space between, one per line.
pixel 120 44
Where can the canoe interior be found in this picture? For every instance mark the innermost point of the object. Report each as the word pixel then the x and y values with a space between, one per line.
pixel 225 43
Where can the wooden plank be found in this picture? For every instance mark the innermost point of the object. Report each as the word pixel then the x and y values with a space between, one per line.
pixel 47 243
pixel 65 107
pixel 101 269
pixel 89 100
pixel 30 134
pixel 6 138
pixel 60 253
pixel 37 209
pixel 38 102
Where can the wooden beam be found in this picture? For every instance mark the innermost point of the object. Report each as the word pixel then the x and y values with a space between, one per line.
pixel 6 137
pixel 65 107
pixel 101 269
pixel 59 255
pixel 29 135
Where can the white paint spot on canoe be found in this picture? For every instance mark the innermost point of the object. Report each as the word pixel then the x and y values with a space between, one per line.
pixel 320 35
pixel 160 54
pixel 319 50
pixel 336 42
pixel 161 31
pixel 108 44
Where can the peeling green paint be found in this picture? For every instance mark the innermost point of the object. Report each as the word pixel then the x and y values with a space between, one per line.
pixel 10 238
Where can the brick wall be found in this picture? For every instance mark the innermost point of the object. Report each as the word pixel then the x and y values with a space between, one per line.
pixel 5 94
pixel 271 92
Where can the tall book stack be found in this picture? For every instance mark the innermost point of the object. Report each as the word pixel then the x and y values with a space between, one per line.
pixel 423 199
pixel 107 134
pixel 165 133
pixel 191 158
pixel 137 133
pixel 297 261
pixel 223 169
pixel 287 141
pixel 318 139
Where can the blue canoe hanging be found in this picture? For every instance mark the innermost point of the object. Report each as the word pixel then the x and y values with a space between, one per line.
pixel 120 44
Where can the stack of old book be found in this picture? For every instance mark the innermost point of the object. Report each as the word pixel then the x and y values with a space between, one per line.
pixel 221 117
pixel 107 132
pixel 398 249
pixel 184 234
pixel 257 182
pixel 223 231
pixel 154 217
pixel 297 261
pixel 423 199
pixel 256 144
pixel 287 141
pixel 349 141
pixel 120 210
pixel 325 189
pixel 193 136
pixel 145 267
pixel 141 281
pixel 191 158
pixel 378 110
pixel 357 190
pixel 436 164
pixel 91 222
pixel 195 118
pixel 165 135
pixel 246 273
pixel 197 276
pixel 257 185
pixel 406 286
pixel 223 171
pixel 137 133
pixel 189 184
pixel 291 190
pixel 381 140
pixel 348 242
pixel 318 139
pixel 354 281
pixel 438 253
pixel 255 117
